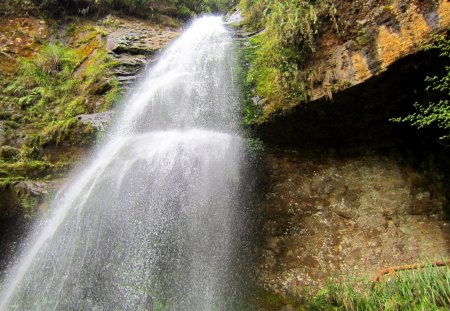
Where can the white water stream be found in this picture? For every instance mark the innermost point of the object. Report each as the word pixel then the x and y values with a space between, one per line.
pixel 151 221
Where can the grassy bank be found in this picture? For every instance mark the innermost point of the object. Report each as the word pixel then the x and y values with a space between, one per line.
pixel 426 289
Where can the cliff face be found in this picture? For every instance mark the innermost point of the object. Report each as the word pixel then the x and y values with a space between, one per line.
pixel 309 50
pixel 371 36
pixel 110 52
pixel 349 191
pixel 331 217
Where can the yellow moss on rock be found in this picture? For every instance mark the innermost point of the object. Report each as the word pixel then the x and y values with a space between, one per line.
pixel 20 37
pixel 345 63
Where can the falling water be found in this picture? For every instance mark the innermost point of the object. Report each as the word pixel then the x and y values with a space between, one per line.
pixel 151 223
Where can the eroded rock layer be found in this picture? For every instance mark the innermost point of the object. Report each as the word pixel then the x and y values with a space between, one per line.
pixel 370 36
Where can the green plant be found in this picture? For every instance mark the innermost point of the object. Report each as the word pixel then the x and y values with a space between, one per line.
pixel 141 8
pixel 424 289
pixel 434 112
pixel 250 108
pixel 48 93
pixel 282 49
pixel 255 147
pixel 29 204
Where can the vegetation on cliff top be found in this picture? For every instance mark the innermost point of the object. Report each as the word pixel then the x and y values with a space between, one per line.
pixel 277 54
pixel 141 8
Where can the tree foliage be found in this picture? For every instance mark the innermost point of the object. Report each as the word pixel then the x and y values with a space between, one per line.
pixel 143 8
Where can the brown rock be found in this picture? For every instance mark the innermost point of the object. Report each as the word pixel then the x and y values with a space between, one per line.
pixel 370 41
pixel 351 216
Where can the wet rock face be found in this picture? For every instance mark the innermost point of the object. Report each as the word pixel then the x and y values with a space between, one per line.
pixel 134 43
pixel 13 231
pixel 99 120
pixel 19 198
pixel 334 217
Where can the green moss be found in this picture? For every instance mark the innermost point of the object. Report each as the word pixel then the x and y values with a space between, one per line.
pixel 7 181
pixel 45 97
pixel 362 37
pixel 30 205
pixel 251 111
pixel 26 168
pixel 281 51
pixel 34 169
pixel 8 153
pixel 255 147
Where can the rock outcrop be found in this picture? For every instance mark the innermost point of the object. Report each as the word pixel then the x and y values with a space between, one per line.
pixel 334 215
pixel 134 43
pixel 122 45
pixel 370 37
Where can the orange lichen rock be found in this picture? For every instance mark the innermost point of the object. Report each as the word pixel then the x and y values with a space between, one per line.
pixel 20 37
pixel 373 42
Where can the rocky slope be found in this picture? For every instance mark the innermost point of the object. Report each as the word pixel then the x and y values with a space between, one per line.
pixel 110 53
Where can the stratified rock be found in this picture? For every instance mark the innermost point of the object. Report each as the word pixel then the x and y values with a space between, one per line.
pixel 370 37
pixel 133 44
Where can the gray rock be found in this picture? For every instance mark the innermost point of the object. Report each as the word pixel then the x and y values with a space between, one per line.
pixel 133 45
pixel 98 120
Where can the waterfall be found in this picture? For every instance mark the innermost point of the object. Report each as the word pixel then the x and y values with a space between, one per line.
pixel 152 221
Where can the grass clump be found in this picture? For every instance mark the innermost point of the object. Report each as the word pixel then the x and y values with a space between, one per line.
pixel 50 81
pixel 422 289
